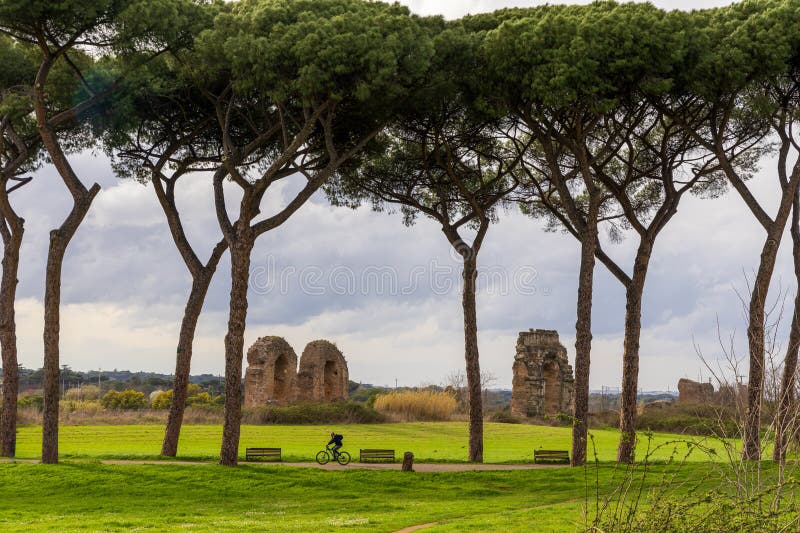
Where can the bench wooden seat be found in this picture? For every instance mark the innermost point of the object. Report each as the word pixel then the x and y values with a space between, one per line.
pixel 556 456
pixel 375 455
pixel 266 453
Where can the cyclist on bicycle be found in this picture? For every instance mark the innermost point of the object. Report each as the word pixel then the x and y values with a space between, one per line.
pixel 336 440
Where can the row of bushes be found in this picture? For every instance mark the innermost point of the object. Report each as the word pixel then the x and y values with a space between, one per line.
pixel 128 399
pixel 406 405
pixel 195 396
pixel 686 419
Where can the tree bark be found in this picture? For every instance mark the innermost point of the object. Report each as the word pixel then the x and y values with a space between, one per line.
pixel 583 336
pixel 8 336
pixel 234 345
pixel 472 360
pixel 630 357
pixel 183 360
pixel 785 419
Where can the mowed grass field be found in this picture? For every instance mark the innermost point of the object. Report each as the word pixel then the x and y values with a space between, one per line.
pixel 90 496
pixel 83 494
pixel 430 441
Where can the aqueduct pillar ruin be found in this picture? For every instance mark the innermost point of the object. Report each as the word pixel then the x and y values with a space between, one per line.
pixel 542 383
pixel 323 373
pixel 271 376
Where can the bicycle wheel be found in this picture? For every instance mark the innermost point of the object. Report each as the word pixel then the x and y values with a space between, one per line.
pixel 323 457
pixel 344 458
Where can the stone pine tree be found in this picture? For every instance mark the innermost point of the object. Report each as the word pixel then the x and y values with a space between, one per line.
pixel 171 138
pixel 166 146
pixel 648 177
pixel 19 146
pixel 566 120
pixel 75 37
pixel 565 73
pixel 447 159
pixel 298 88
pixel 742 82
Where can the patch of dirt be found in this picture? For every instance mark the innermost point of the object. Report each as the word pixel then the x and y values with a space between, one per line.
pixel 409 529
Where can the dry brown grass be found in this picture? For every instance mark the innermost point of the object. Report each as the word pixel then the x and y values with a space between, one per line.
pixel 416 405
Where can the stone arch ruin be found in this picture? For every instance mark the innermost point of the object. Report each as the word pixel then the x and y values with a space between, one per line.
pixel 323 373
pixel 272 377
pixel 542 383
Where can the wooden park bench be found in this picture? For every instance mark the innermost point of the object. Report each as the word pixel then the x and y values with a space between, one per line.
pixel 268 453
pixel 556 456
pixel 376 455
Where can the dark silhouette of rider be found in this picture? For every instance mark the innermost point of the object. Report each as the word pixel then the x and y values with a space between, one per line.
pixel 336 440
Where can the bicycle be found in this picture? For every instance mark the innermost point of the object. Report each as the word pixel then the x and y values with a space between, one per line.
pixel 327 454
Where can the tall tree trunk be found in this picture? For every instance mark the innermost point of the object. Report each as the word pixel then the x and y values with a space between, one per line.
pixel 785 418
pixel 8 338
pixel 52 324
pixel 59 240
pixel 630 357
pixel 472 360
pixel 751 445
pixel 583 336
pixel 234 346
pixel 183 360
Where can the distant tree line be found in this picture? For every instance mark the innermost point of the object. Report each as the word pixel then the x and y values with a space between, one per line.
pixel 597 118
pixel 146 382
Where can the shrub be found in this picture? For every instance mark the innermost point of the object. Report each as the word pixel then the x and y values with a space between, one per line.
pixel 200 399
pixel 35 401
pixel 83 393
pixel 313 413
pixel 162 400
pixel 417 405
pixel 127 399
pixel 504 417
pixel 690 419
pixel 195 398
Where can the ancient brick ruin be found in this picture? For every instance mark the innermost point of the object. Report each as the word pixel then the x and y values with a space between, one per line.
pixel 323 373
pixel 729 394
pixel 542 383
pixel 694 392
pixel 272 376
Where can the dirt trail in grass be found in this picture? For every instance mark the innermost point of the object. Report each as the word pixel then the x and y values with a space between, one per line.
pixel 420 467
pixel 410 529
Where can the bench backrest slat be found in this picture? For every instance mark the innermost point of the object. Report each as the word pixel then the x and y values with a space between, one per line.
pixel 560 455
pixel 373 453
pixel 262 452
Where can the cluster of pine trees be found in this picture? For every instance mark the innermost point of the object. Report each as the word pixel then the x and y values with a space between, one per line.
pixel 598 116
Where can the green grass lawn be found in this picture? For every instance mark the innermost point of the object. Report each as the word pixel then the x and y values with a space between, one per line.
pixel 82 494
pixel 90 496
pixel 430 441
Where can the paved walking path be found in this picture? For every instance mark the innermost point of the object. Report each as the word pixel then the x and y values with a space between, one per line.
pixel 419 467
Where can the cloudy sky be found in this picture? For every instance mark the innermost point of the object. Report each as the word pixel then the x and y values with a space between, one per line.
pixel 386 294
